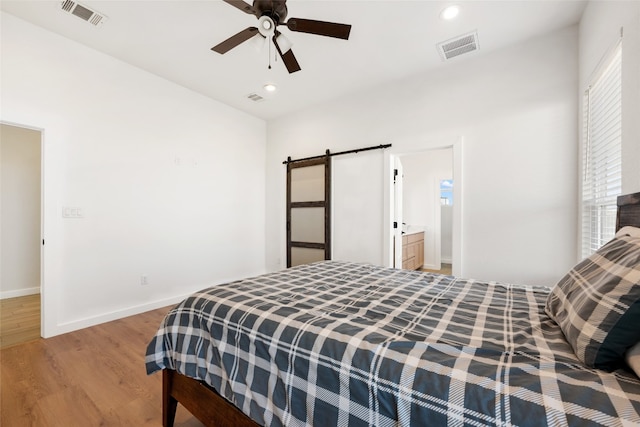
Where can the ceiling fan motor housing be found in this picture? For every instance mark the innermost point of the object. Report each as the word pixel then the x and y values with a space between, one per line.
pixel 274 9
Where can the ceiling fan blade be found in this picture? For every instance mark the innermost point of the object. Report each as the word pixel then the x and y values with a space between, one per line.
pixel 288 57
pixel 321 28
pixel 243 6
pixel 235 40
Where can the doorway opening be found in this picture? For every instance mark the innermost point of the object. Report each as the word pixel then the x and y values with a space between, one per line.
pixel 21 231
pixel 426 210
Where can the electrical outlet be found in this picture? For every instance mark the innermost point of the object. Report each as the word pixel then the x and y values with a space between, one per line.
pixel 144 280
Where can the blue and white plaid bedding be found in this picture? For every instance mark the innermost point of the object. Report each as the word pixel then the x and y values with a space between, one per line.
pixel 344 344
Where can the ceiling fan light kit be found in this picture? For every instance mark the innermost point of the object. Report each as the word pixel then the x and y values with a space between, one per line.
pixel 284 43
pixel 266 26
pixel 271 14
pixel 259 42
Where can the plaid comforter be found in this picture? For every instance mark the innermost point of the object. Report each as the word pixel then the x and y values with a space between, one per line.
pixel 343 344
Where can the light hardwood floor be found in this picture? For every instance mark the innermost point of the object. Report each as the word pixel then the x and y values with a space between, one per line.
pixel 444 269
pixel 92 377
pixel 19 320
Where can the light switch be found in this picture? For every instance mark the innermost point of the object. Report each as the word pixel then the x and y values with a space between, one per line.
pixel 72 212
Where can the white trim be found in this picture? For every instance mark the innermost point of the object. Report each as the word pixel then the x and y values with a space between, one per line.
pixel 86 322
pixel 437 215
pixel 19 293
pixel 457 235
pixel 430 267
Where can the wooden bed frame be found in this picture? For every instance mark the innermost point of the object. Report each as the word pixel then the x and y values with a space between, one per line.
pixel 215 411
pixel 199 399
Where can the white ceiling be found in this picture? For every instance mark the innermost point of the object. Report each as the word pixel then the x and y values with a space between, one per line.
pixel 390 40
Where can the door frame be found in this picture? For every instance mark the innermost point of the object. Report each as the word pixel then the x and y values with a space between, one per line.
pixel 456 144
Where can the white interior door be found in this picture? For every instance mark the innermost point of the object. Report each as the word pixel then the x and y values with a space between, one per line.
pixel 397 213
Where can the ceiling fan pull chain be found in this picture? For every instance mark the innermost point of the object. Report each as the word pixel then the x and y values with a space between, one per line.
pixel 269 54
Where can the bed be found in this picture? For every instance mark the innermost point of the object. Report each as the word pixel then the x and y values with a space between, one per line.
pixel 337 343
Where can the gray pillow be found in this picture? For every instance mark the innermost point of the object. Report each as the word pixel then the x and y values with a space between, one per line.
pixel 597 304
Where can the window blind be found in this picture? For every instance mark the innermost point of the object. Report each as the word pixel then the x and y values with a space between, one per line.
pixel 602 155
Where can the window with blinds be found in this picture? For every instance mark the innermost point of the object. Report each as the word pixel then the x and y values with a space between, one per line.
pixel 602 155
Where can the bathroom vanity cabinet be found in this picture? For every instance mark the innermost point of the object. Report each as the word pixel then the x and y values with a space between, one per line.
pixel 413 250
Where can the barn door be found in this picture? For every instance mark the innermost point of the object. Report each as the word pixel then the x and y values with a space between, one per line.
pixel 308 211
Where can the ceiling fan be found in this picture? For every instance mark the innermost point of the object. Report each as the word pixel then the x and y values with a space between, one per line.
pixel 271 14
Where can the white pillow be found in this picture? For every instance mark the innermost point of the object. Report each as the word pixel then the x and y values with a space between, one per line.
pixel 628 231
pixel 632 357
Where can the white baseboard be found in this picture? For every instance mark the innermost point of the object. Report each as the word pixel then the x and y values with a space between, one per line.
pixel 51 330
pixel 87 322
pixel 19 293
pixel 446 261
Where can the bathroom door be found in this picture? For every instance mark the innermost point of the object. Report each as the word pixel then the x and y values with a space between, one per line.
pixel 398 174
pixel 308 211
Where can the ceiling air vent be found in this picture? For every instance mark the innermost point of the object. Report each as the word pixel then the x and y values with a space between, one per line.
pixel 83 12
pixel 458 45
pixel 255 97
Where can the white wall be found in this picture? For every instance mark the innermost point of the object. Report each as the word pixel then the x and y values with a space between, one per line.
pixel 599 31
pixel 517 115
pixel 171 183
pixel 353 228
pixel 20 211
pixel 421 197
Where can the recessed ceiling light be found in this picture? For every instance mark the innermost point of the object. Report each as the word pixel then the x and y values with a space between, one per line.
pixel 270 87
pixel 450 12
